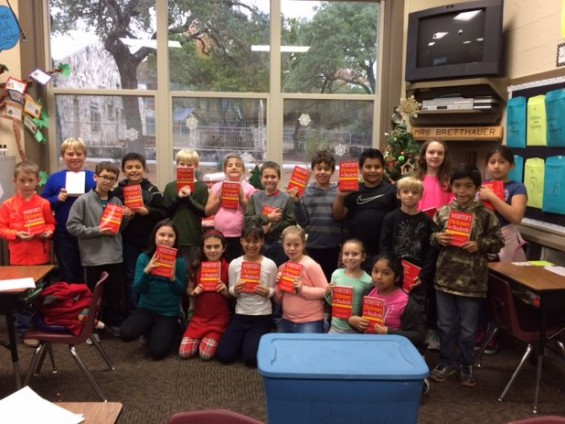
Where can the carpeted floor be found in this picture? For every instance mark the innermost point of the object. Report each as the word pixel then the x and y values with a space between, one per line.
pixel 152 391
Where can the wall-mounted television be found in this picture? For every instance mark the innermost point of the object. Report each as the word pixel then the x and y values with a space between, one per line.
pixel 455 41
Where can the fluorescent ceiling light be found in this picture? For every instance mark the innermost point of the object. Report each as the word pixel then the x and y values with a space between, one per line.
pixel 466 16
pixel 136 44
pixel 284 49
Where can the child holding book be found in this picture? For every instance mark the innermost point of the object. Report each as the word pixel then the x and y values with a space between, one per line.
pixel 466 233
pixel 363 210
pixel 252 279
pixel 159 296
pixel 313 212
pixel 100 244
pixel 301 285
pixel 147 207
pixel 406 234
pixel 401 314
pixel 73 152
pixel 186 206
pixel 207 285
pixel 272 210
pixel 353 281
pixel 27 222
pixel 229 211
pixel 511 208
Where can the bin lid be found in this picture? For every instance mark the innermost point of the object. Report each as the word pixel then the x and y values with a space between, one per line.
pixel 343 356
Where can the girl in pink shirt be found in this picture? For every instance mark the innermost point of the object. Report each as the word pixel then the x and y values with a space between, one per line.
pixel 434 167
pixel 302 294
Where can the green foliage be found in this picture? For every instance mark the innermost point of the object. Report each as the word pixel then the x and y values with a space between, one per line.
pixel 255 178
pixel 401 153
pixel 43 176
pixel 65 70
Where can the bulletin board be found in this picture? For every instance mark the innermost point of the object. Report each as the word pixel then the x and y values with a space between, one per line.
pixel 530 89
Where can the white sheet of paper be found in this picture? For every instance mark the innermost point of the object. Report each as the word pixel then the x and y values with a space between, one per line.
pixel 25 407
pixel 75 182
pixel 40 76
pixel 559 270
pixel 17 284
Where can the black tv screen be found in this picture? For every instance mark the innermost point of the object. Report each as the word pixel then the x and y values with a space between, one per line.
pixel 455 41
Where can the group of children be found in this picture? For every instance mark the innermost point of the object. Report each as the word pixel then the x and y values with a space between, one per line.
pixel 368 232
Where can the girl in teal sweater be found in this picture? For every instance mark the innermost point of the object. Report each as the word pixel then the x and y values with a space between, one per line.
pixel 159 297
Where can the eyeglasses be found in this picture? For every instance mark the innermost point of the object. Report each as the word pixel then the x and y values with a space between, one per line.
pixel 108 178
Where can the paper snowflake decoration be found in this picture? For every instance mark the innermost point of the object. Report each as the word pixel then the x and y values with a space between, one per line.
pixel 247 157
pixel 304 120
pixel 191 122
pixel 132 134
pixel 340 150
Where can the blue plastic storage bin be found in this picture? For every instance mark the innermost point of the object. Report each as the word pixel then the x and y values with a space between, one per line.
pixel 341 378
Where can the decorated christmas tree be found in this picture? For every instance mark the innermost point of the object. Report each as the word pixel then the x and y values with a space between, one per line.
pixel 255 178
pixel 402 150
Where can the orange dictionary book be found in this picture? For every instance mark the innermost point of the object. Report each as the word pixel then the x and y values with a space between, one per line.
pixel 411 272
pixel 34 222
pixel 230 195
pixel 290 272
pixel 497 188
pixel 298 179
pixel 459 225
pixel 185 177
pixel 342 302
pixel 112 218
pixel 251 276
pixel 166 257
pixel 210 275
pixel 267 209
pixel 348 176
pixel 373 311
pixel 132 196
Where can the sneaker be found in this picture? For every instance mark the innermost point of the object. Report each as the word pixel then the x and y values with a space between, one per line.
pixel 93 336
pixel 441 373
pixel 432 340
pixel 479 339
pixel 33 343
pixel 492 347
pixel 466 376
pixel 113 330
pixel 425 387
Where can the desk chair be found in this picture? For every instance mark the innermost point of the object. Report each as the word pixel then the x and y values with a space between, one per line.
pixel 47 338
pixel 212 416
pixel 522 325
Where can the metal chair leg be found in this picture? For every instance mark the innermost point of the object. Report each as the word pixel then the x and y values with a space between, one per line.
pixel 34 362
pixel 486 341
pixel 87 373
pixel 103 353
pixel 516 371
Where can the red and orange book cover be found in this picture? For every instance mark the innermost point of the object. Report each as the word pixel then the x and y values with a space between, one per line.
pixel 210 275
pixel 230 195
pixel 497 188
pixel 133 198
pixel 267 209
pixel 185 177
pixel 112 218
pixel 373 311
pixel 342 302
pixel 459 225
pixel 166 257
pixel 251 276
pixel 298 179
pixel 290 272
pixel 34 222
pixel 348 176
pixel 411 272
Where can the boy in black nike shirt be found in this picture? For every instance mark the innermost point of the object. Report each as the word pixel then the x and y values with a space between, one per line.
pixel 363 210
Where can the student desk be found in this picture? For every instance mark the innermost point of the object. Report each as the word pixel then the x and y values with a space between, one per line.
pixel 12 302
pixel 94 412
pixel 545 289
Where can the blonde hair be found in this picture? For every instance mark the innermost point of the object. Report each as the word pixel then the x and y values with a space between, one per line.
pixel 410 183
pixel 26 167
pixel 188 155
pixel 76 144
pixel 236 157
pixel 294 229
